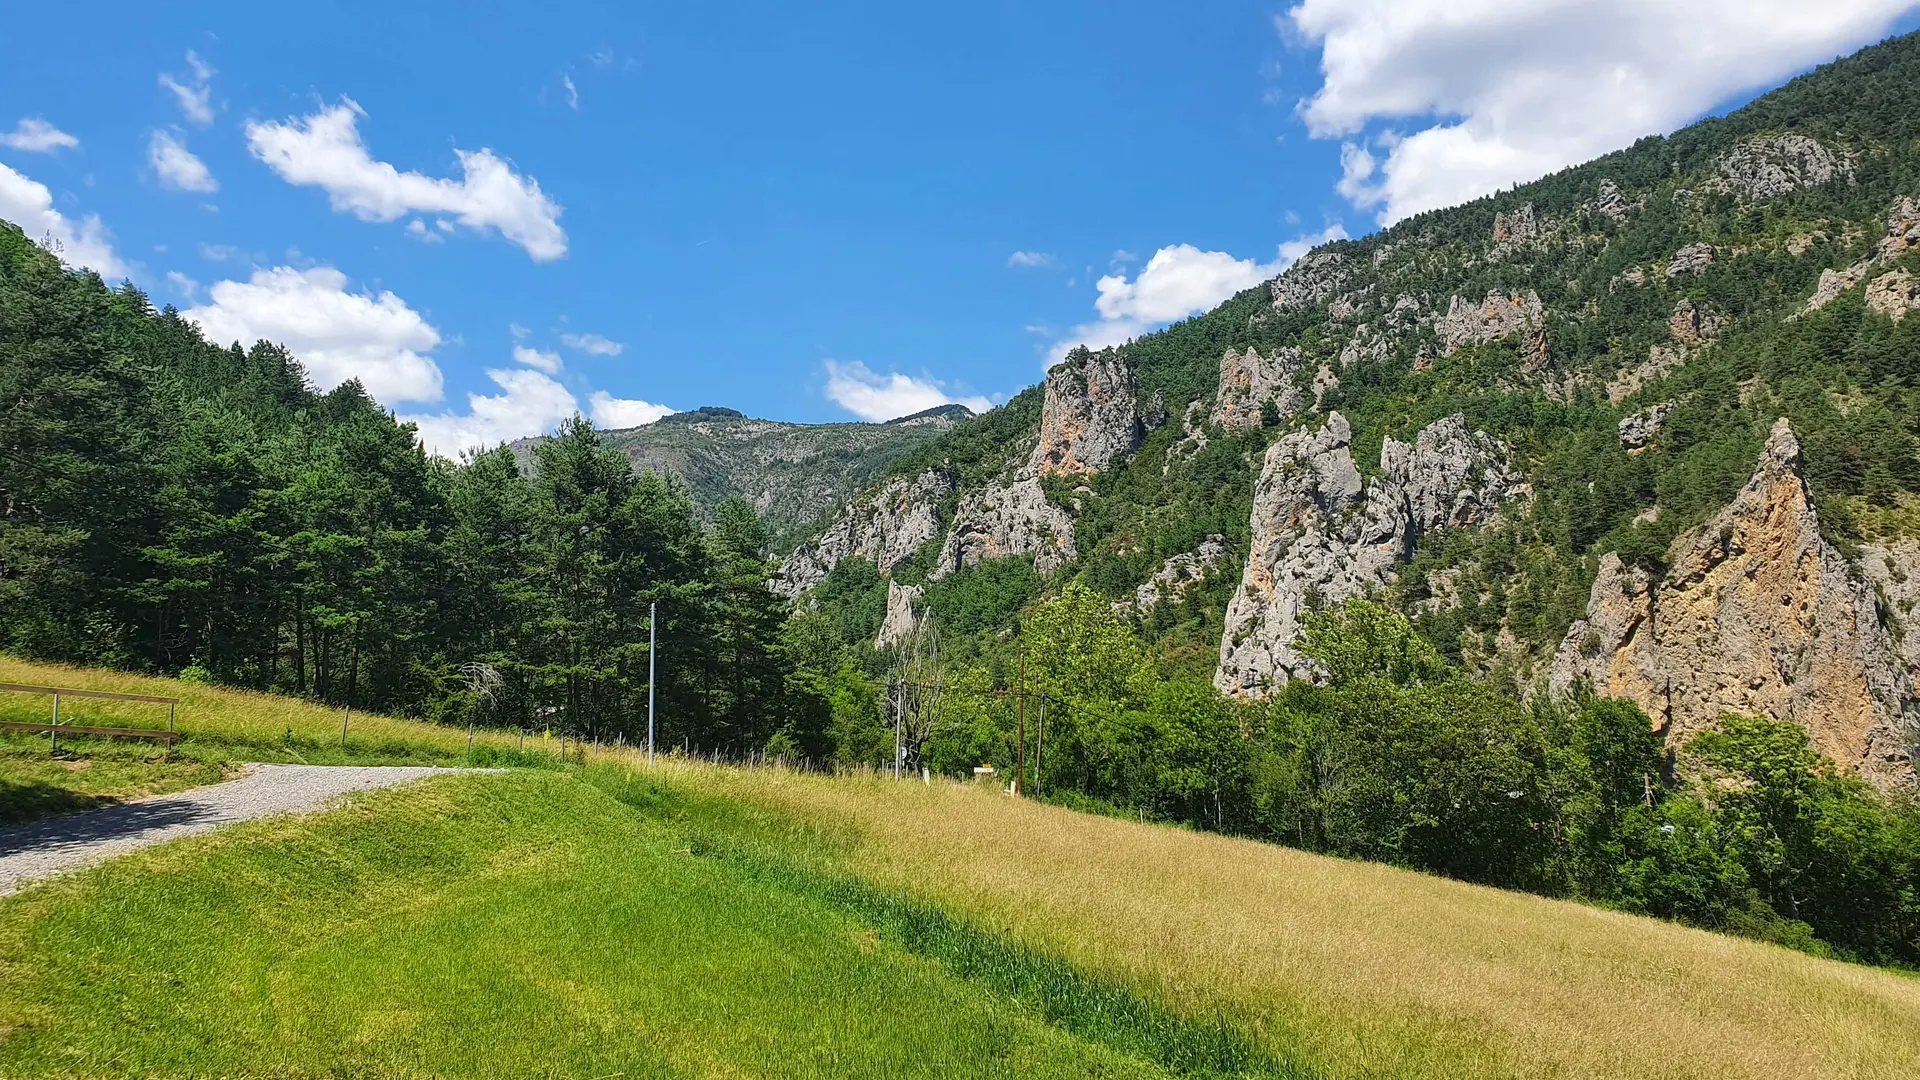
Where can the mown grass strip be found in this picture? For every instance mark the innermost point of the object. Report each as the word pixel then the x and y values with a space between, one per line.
pixel 1097 1010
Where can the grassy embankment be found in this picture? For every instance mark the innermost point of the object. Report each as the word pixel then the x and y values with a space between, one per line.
pixel 700 921
pixel 219 728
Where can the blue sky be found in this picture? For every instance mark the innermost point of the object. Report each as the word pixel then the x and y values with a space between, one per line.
pixel 806 212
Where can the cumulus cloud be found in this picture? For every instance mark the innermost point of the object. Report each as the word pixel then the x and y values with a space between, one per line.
pixel 573 94
pixel 612 412
pixel 324 150
pixel 878 398
pixel 336 333
pixel 591 344
pixel 35 135
pixel 177 166
pixel 1176 282
pixel 548 362
pixel 418 230
pixel 1463 99
pixel 1032 259
pixel 28 204
pixel 530 403
pixel 188 288
pixel 195 95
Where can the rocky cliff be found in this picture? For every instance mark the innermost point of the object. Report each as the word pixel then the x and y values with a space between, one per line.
pixel 1756 613
pixel 885 528
pixel 1321 536
pixel 1090 419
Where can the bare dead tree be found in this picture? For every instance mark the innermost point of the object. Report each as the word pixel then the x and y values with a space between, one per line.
pixel 913 694
pixel 484 682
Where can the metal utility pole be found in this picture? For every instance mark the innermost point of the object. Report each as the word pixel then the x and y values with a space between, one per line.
pixel 1040 746
pixel 1020 734
pixel 653 638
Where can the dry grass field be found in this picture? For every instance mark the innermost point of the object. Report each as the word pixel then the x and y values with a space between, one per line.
pixel 1353 969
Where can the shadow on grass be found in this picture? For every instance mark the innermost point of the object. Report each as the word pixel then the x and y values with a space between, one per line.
pixel 26 800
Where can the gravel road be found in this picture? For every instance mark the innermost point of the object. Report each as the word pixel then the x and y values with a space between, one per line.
pixel 42 848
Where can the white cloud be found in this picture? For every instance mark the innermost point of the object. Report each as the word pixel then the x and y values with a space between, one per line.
pixel 1120 258
pixel 186 287
pixel 519 332
pixel 177 166
pixel 877 398
pixel 548 362
pixel 35 135
pixel 1032 259
pixel 419 231
pixel 336 334
pixel 220 252
pixel 573 95
pixel 1176 282
pixel 1504 91
pixel 531 404
pixel 324 150
pixel 195 96
pixel 28 204
pixel 591 344
pixel 613 413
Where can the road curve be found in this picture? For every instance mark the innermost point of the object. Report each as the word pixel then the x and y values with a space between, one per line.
pixel 55 845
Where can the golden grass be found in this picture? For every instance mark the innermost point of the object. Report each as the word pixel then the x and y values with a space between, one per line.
pixel 1355 969
pixel 213 712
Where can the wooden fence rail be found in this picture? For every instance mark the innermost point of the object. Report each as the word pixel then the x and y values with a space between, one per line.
pixel 54 729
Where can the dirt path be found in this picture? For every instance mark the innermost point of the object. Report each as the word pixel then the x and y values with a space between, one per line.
pixel 53 845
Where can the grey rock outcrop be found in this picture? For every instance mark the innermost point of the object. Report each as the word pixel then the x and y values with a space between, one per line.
pixel 1513 230
pixel 1180 573
pixel 1903 235
pixel 1248 381
pixel 1007 520
pixel 1774 165
pixel 1611 203
pixel 1499 315
pixel 1638 431
pixel 1690 325
pixel 1090 416
pixel 1321 536
pixel 1756 614
pixel 1892 294
pixel 885 528
pixel 898 624
pixel 1312 280
pixel 1692 259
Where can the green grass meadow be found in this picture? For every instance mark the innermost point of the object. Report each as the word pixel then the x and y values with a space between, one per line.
pixel 526 924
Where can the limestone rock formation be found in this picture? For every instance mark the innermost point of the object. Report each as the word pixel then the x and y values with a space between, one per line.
pixel 1320 535
pixel 898 625
pixel 1313 279
pixel 1500 314
pixel 1774 165
pixel 1180 573
pixel 1638 431
pixel 1611 203
pixel 1513 230
pixel 1756 614
pixel 1689 325
pixel 1005 520
pixel 1903 235
pixel 1692 259
pixel 885 528
pixel 1903 229
pixel 1892 294
pixel 1248 381
pixel 1089 417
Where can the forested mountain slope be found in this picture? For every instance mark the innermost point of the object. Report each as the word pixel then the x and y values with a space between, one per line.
pixel 1646 425
pixel 1559 541
pixel 793 474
